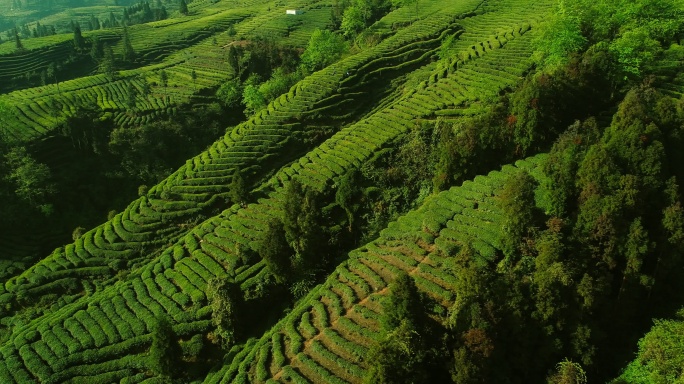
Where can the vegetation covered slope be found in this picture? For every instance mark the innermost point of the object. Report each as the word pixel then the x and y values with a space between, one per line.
pixel 328 335
pixel 204 182
pixel 220 250
pixel 212 274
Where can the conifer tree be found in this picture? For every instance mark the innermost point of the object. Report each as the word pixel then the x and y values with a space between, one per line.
pixel 79 42
pixel 107 63
pixel 163 78
pixel 275 251
pixel 128 52
pixel 17 40
pixel 183 9
pixel 239 193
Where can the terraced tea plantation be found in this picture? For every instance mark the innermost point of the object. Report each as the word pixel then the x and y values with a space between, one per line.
pixel 199 279
pixel 192 53
pixel 326 337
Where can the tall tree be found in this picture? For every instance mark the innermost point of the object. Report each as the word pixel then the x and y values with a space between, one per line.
pixel 234 60
pixel 128 52
pixel 275 251
pixel 131 94
pixel 52 70
pixel 183 7
pixel 96 48
pixel 517 203
pixel 403 355
pixel 112 20
pixel 226 301
pixel 165 351
pixel 107 62
pixel 79 42
pixel 239 194
pixel 568 372
pixel 302 222
pixel 94 23
pixel 163 78
pixel 403 303
pixel 17 40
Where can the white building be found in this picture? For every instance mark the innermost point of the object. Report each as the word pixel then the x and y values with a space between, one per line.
pixel 294 12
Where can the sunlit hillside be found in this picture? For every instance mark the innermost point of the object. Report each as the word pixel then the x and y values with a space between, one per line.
pixel 341 191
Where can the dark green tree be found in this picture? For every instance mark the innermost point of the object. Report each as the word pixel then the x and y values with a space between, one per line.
pixel 17 40
pixel 447 151
pixel 107 62
pixel 400 357
pixel 96 48
pixel 126 17
pixel 346 195
pixel 94 23
pixel 239 193
pixel 517 204
pixel 165 351
pixel 403 303
pixel 32 180
pixel 51 72
pixel 183 7
pixel 403 355
pixel 112 20
pixel 131 94
pixel 226 302
pixel 79 41
pixel 303 222
pixel 128 51
pixel 275 251
pixel 234 60
pixel 163 78
pixel 229 94
pixel 145 88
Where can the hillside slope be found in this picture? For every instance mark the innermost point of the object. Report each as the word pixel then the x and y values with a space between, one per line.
pixel 106 333
pixel 327 336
